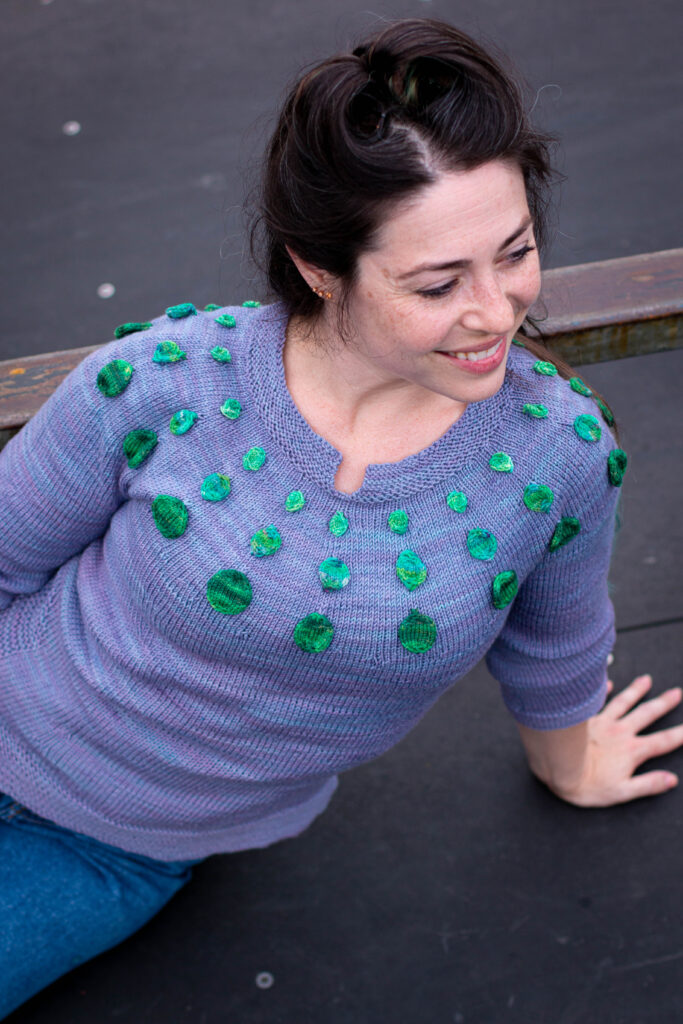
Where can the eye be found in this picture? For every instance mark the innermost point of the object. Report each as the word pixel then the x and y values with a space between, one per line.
pixel 435 293
pixel 517 257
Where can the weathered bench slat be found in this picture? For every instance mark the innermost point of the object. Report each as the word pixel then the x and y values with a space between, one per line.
pixel 600 311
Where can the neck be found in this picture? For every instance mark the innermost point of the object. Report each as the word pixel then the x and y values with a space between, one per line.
pixel 322 369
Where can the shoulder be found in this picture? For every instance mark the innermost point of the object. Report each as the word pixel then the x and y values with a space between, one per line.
pixel 566 435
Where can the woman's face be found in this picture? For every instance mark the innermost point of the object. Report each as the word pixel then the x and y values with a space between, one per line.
pixel 454 271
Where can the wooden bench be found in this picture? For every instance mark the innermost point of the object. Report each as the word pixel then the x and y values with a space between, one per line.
pixel 599 311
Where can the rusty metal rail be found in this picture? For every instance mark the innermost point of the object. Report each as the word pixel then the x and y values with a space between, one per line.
pixel 596 312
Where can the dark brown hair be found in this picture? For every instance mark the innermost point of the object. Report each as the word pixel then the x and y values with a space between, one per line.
pixel 363 130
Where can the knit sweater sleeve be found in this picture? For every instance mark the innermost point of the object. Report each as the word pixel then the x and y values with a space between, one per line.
pixel 550 658
pixel 59 480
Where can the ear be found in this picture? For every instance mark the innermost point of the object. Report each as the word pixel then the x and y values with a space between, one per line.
pixel 312 275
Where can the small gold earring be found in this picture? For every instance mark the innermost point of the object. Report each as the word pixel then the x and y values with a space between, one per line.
pixel 320 293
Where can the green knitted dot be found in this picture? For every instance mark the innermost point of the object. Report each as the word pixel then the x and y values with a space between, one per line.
pixel 457 501
pixel 566 530
pixel 226 320
pixel 211 307
pixel 229 591
pixel 398 521
pixel 417 632
pixel 231 408
pixel 114 377
pixel 501 462
pixel 504 588
pixel 616 466
pixel 251 304
pixel 538 412
pixel 516 341
pixel 182 420
pixel 606 411
pixel 338 524
pixel 410 569
pixel 168 352
pixel 334 574
pixel 295 501
pixel 137 445
pixel 170 515
pixel 266 541
pixel 576 384
pixel 313 633
pixel 538 497
pixel 481 544
pixel 221 354
pixel 215 487
pixel 123 329
pixel 546 368
pixel 587 427
pixel 254 458
pixel 180 311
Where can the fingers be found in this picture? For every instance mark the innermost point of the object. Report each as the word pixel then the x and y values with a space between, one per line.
pixel 659 743
pixel 647 784
pixel 628 697
pixel 653 709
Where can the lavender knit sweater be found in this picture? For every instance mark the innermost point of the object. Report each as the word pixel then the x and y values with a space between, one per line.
pixel 197 631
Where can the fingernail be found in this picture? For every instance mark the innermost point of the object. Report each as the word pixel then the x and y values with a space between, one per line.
pixel 672 781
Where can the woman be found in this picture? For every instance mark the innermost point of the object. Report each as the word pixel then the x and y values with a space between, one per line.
pixel 246 548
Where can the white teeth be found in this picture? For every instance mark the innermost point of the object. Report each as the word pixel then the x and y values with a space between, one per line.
pixel 474 357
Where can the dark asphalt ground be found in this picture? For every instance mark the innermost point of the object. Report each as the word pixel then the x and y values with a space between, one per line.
pixel 444 885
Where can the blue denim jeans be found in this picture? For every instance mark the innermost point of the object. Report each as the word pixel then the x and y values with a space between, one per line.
pixel 64 898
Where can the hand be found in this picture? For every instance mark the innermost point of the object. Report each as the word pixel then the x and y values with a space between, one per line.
pixel 615 750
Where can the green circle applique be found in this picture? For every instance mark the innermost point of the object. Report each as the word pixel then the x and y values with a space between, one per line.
pixel 417 632
pixel 544 367
pixel 254 458
pixel 114 377
pixel 410 569
pixel 566 530
pixel 251 304
pixel 397 521
pixel 229 591
pixel 501 462
pixel 138 444
pixel 504 588
pixel 538 497
pixel 616 466
pixel 266 541
pixel 338 524
pixel 313 633
pixel 226 320
pixel 215 487
pixel 182 420
pixel 536 411
pixel 123 329
pixel 180 311
pixel 170 515
pixel 587 427
pixel 211 307
pixel 294 501
pixel 607 415
pixel 576 384
pixel 231 408
pixel 221 354
pixel 168 352
pixel 457 501
pixel 334 574
pixel 481 544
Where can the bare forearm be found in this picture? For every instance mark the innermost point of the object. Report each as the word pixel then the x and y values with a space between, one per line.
pixel 557 756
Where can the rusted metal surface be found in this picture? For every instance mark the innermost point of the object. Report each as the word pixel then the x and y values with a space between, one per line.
pixel 607 310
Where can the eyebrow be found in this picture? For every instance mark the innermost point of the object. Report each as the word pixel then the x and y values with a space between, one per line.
pixel 455 264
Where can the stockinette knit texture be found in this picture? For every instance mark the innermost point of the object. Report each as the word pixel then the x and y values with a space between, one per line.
pixel 198 631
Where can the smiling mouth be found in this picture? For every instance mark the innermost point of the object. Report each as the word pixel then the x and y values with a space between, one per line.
pixel 475 356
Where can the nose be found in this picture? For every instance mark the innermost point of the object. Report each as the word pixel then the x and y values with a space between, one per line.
pixel 488 309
